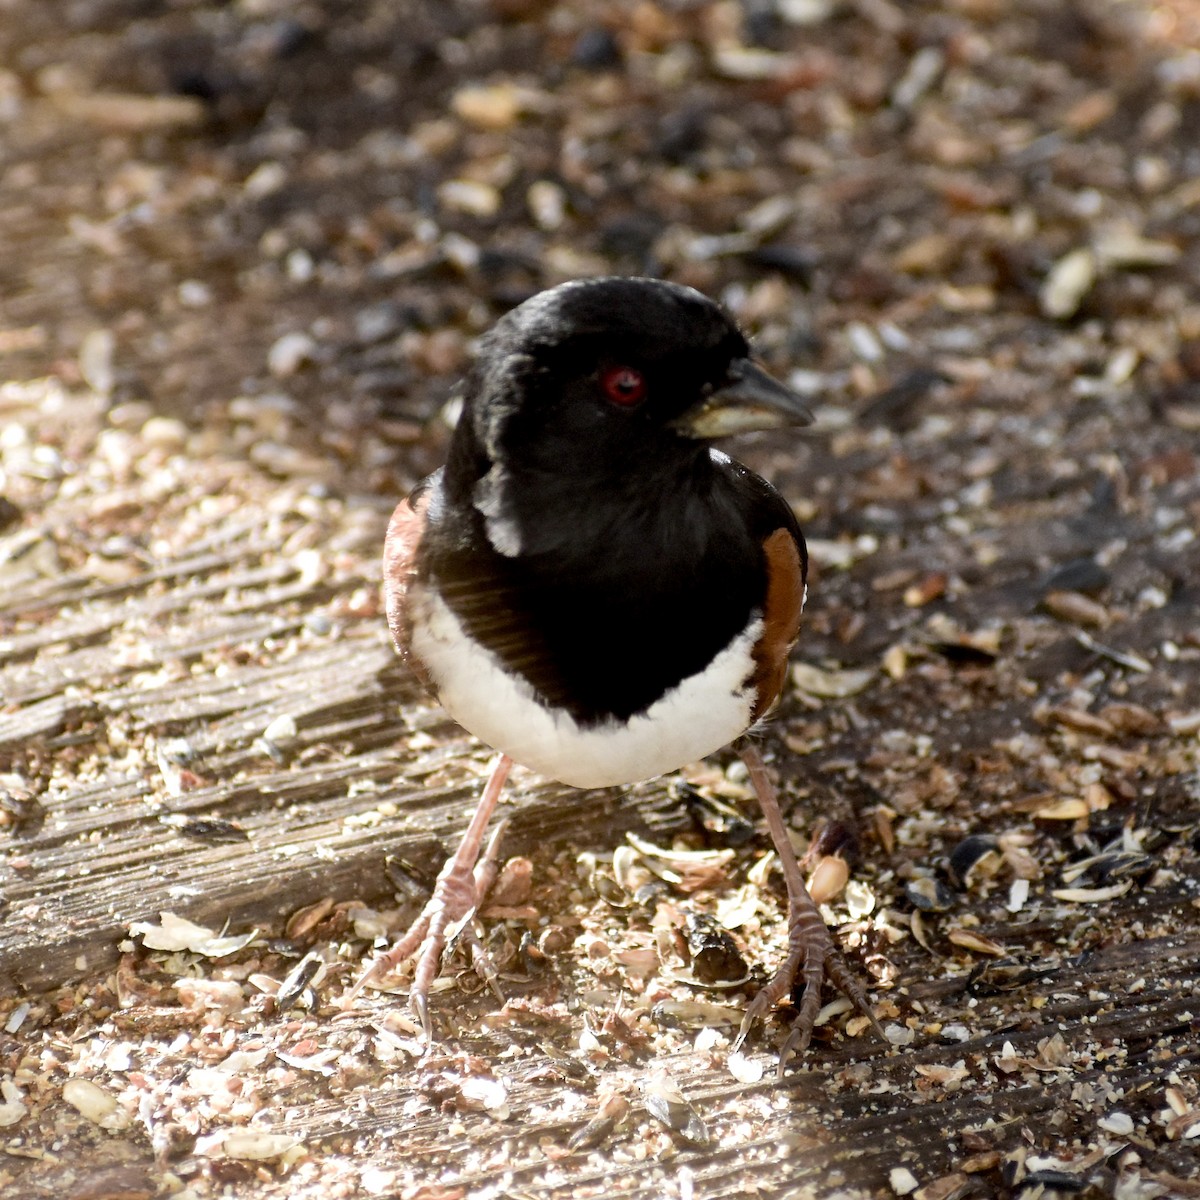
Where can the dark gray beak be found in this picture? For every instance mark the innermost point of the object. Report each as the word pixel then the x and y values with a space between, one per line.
pixel 748 400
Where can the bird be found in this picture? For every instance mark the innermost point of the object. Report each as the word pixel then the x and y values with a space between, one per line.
pixel 593 589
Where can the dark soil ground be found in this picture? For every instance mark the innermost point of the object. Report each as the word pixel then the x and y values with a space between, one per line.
pixel 244 250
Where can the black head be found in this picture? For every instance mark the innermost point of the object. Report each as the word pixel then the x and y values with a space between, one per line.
pixel 603 383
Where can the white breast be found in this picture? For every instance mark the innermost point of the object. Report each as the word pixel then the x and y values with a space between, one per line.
pixel 703 713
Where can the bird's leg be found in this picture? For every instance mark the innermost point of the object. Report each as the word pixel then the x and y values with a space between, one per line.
pixel 461 885
pixel 463 929
pixel 812 955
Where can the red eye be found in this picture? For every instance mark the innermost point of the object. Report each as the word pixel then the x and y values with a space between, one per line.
pixel 623 385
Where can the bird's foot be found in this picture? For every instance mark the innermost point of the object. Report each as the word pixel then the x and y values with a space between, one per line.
pixel 462 884
pixel 812 957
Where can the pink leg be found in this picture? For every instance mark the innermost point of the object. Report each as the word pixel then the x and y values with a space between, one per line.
pixel 461 885
pixel 812 955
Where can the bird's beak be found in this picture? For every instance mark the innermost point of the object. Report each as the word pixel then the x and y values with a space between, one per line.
pixel 748 400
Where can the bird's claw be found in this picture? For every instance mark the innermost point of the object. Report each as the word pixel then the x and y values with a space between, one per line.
pixel 812 958
pixel 427 941
pixel 420 1006
pixel 461 886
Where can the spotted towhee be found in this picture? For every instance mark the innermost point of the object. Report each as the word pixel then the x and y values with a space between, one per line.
pixel 592 589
